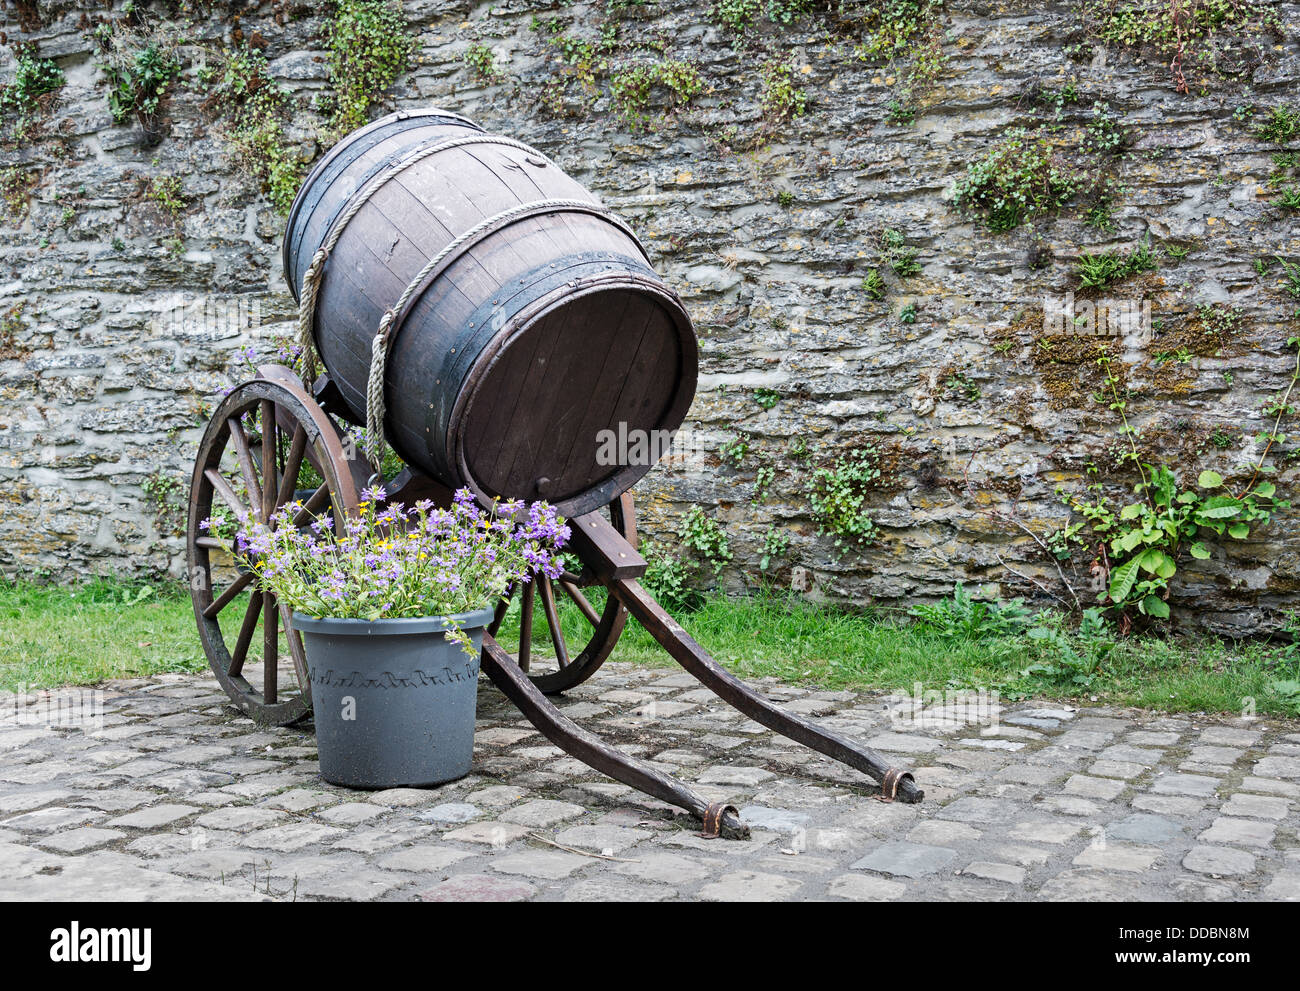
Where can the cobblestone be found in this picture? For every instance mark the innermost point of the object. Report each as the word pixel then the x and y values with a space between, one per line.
pixel 1095 806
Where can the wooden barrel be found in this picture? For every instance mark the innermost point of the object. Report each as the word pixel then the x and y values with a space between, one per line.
pixel 541 327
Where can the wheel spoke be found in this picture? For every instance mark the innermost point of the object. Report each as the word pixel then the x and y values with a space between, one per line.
pixel 296 653
pixel 553 620
pixel 318 498
pixel 580 600
pixel 270 649
pixel 499 615
pixel 240 440
pixel 237 586
pixel 223 489
pixel 268 460
pixel 245 633
pixel 292 463
pixel 526 627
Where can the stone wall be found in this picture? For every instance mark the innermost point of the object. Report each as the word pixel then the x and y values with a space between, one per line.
pixel 122 320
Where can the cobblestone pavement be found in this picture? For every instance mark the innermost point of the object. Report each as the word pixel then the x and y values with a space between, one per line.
pixel 177 797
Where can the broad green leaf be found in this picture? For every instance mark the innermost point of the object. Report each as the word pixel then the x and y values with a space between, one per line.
pixel 1199 551
pixel 1220 508
pixel 1209 479
pixel 1239 530
pixel 1130 540
pixel 1131 511
pixel 1122 579
pixel 1265 490
pixel 1155 606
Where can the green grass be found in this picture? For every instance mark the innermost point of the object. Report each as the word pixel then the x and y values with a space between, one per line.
pixel 92 632
pixel 55 636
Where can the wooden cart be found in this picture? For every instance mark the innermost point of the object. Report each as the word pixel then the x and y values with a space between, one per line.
pixel 476 306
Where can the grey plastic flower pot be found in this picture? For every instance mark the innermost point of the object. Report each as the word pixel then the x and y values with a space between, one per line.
pixel 393 699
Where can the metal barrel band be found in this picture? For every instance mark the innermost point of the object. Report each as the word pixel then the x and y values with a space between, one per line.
pixel 713 816
pixel 890 782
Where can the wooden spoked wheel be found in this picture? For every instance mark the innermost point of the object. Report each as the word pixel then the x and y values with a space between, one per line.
pixel 580 639
pixel 268 443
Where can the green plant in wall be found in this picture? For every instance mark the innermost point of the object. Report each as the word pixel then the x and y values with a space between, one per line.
pixel 838 494
pixel 480 60
pixel 255 111
pixel 1216 37
pixel 1020 179
pixel 632 86
pixel 168 194
pixel 670 578
pixel 873 284
pixel 164 493
pixel 1101 269
pixel 776 543
pixel 703 536
pixel 140 66
pixel 1280 126
pixel 763 479
pixel 1141 544
pixel 898 255
pixel 15 190
pixel 368 49
pixel 781 99
pixel 734 451
pixel 34 79
pixel 766 398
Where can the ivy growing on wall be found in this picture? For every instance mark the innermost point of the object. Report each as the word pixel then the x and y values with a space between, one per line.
pixel 369 48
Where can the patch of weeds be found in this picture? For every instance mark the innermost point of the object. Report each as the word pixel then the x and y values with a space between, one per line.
pixel 632 86
pixel 766 398
pixel 480 60
pixel 959 385
pixel 900 113
pixel 34 79
pixel 11 325
pixel 899 257
pixel 1019 179
pixel 763 479
pixel 164 492
pixel 704 537
pixel 369 48
pixel 776 544
pixel 15 190
pixel 140 66
pixel 907 314
pixel 838 495
pixel 1280 126
pixel 1096 271
pixel 781 99
pixel 670 578
pixel 873 284
pixel 256 111
pixel 964 617
pixel 1223 38
pixel 785 199
pixel 734 451
pixel 166 192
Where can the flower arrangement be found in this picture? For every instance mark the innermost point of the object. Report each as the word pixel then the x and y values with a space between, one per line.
pixel 399 562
